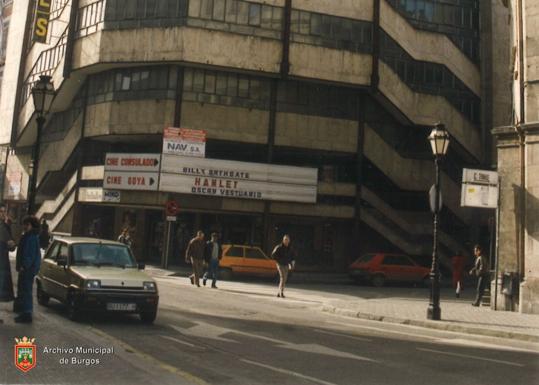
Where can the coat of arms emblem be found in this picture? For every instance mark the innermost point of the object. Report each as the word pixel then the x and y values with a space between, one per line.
pixel 25 353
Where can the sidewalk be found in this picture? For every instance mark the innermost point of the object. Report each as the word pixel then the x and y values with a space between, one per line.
pixel 403 305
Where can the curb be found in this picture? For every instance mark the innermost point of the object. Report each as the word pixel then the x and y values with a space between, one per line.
pixel 438 325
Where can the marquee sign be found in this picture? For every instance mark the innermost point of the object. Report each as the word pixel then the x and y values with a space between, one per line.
pixel 41 22
pixel 232 179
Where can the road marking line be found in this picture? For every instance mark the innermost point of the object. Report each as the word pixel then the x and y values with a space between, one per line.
pixel 342 335
pixel 472 357
pixel 289 372
pixel 463 342
pixel 179 341
pixel 156 363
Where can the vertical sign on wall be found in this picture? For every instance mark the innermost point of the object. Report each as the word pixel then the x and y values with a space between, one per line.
pixel 41 22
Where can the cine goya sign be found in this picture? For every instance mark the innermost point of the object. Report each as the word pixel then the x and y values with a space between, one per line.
pixel 41 22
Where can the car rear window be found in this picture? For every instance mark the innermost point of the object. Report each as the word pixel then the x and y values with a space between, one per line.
pixel 365 258
pixel 235 251
pixel 254 253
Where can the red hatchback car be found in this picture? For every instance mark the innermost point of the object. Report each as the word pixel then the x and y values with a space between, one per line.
pixel 383 267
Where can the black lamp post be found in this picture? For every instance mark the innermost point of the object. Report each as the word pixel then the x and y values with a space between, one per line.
pixel 439 142
pixel 42 94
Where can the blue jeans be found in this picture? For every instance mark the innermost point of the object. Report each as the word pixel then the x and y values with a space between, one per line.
pixel 24 293
pixel 213 270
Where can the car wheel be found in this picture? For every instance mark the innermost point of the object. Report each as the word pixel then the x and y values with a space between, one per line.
pixel 148 317
pixel 226 274
pixel 42 298
pixel 73 311
pixel 378 280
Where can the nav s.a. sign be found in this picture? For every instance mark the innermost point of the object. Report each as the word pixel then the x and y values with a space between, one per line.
pixel 41 21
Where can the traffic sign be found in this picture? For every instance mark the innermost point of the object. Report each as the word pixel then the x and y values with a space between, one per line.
pixel 172 208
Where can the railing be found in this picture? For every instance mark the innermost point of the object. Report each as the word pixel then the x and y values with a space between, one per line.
pixel 57 7
pixel 90 18
pixel 45 64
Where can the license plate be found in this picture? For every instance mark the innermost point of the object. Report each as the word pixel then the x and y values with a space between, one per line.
pixel 122 306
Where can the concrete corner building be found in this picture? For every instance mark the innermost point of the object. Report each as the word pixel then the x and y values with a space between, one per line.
pixel 349 87
pixel 518 165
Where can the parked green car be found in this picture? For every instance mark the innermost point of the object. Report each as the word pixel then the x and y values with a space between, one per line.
pixel 89 274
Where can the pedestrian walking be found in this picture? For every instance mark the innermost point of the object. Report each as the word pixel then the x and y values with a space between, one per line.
pixel 283 254
pixel 195 256
pixel 125 238
pixel 28 263
pixel 6 245
pixel 44 235
pixel 480 270
pixel 458 263
pixel 212 255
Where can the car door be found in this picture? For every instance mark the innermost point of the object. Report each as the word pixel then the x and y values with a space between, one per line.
pixel 45 271
pixel 410 271
pixel 391 266
pixel 257 263
pixel 60 274
pixel 234 259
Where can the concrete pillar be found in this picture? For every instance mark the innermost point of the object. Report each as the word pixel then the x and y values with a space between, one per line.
pixel 529 288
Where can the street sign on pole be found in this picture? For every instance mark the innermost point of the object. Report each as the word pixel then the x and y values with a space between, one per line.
pixel 480 188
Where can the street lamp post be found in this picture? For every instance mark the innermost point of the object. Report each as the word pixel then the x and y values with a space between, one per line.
pixel 42 94
pixel 439 141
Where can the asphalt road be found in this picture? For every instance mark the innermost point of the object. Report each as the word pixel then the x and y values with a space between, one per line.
pixel 231 336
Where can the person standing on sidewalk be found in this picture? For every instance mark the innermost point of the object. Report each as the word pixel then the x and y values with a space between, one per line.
pixel 28 263
pixel 458 262
pixel 125 238
pixel 195 256
pixel 283 254
pixel 212 256
pixel 6 245
pixel 480 270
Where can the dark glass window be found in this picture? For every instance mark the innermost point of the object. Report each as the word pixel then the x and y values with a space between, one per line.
pixel 235 251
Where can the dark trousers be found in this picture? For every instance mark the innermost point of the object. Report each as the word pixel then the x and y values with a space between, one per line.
pixel 481 284
pixel 213 269
pixel 24 302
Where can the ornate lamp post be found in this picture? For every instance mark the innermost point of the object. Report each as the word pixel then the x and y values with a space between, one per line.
pixel 42 94
pixel 439 142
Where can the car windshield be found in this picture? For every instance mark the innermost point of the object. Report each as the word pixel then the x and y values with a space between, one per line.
pixel 365 258
pixel 99 254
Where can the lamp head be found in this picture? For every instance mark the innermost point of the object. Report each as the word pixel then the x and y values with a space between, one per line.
pixel 43 94
pixel 439 140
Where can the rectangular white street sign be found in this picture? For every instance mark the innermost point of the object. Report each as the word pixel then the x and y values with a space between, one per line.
pixel 112 196
pixel 132 162
pixel 143 181
pixel 479 188
pixel 184 142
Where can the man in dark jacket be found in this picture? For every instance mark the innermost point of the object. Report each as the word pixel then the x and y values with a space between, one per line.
pixel 212 256
pixel 283 254
pixel 28 263
pixel 195 255
pixel 480 270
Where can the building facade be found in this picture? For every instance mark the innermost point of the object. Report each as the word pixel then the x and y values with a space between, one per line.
pixel 351 88
pixel 518 166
